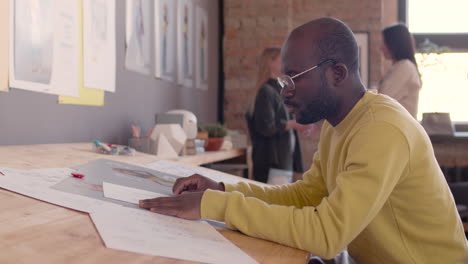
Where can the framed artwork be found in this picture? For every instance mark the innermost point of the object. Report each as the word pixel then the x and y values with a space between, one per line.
pixel 44 44
pixel 201 49
pixel 362 39
pixel 165 39
pixel 185 37
pixel 4 38
pixel 138 36
pixel 99 44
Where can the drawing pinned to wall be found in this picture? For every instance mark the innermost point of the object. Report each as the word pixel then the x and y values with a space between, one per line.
pixel 165 34
pixel 44 46
pixel 4 20
pixel 86 96
pixel 185 37
pixel 201 49
pixel 363 47
pixel 99 44
pixel 138 38
pixel 34 40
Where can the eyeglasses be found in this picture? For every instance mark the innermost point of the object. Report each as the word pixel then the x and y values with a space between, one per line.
pixel 286 81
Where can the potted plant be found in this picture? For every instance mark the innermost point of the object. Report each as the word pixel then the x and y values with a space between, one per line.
pixel 216 134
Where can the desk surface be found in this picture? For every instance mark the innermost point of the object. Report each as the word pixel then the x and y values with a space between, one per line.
pixel 72 154
pixel 33 231
pixel 450 151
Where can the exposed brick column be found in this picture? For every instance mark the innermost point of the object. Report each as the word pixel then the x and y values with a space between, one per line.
pixel 250 26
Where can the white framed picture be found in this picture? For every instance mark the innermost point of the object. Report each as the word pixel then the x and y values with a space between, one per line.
pixel 99 44
pixel 138 36
pixel 201 49
pixel 165 39
pixel 44 45
pixel 362 39
pixel 185 42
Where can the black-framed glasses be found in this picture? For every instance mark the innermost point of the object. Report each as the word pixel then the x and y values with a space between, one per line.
pixel 286 81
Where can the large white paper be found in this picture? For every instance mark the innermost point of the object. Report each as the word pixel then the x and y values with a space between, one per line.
pixel 174 168
pixel 124 174
pixel 165 36
pixel 138 36
pixel 160 235
pixel 42 177
pixel 37 185
pixel 99 44
pixel 51 176
pixel 129 229
pixel 127 194
pixel 44 46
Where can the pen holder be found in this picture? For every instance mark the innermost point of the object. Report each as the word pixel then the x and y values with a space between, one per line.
pixel 194 146
pixel 141 144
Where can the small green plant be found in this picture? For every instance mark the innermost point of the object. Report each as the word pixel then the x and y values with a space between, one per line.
pixel 215 130
pixel 430 53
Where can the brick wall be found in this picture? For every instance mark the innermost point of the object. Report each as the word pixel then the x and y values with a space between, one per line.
pixel 251 25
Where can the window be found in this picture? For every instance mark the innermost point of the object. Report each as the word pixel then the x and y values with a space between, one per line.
pixel 445 75
pixel 445 84
pixel 435 16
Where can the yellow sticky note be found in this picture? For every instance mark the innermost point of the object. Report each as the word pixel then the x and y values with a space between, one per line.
pixel 88 96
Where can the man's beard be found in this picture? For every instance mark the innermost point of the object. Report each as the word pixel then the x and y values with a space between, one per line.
pixel 321 108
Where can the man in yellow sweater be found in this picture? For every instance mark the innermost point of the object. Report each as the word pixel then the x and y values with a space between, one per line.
pixel 374 187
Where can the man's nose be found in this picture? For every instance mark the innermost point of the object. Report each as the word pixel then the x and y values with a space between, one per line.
pixel 287 93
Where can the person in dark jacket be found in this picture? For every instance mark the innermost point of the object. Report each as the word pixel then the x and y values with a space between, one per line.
pixel 275 144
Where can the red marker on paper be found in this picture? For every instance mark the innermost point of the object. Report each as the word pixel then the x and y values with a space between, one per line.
pixel 77 175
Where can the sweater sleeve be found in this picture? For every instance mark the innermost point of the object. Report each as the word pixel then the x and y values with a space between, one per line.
pixel 371 170
pixel 267 122
pixel 309 191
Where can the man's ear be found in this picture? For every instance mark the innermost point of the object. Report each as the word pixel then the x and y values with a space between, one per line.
pixel 338 74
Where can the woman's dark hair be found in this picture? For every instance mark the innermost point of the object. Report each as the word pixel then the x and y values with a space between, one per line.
pixel 399 42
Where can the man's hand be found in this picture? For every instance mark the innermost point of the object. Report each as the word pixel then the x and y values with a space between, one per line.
pixel 187 197
pixel 185 206
pixel 195 183
pixel 307 130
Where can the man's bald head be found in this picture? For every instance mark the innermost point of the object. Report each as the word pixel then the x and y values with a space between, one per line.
pixel 329 90
pixel 328 38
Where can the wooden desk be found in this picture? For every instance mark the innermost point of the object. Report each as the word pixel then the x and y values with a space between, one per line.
pixel 451 151
pixel 72 154
pixel 211 156
pixel 33 231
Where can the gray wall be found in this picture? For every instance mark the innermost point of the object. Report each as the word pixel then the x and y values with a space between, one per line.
pixel 35 118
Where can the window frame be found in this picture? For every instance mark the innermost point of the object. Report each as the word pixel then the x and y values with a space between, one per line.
pixel 456 42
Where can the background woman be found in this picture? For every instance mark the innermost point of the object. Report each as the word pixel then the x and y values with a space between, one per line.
pixel 275 145
pixel 402 82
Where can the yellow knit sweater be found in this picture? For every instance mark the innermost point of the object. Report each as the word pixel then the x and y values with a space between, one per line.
pixel 374 188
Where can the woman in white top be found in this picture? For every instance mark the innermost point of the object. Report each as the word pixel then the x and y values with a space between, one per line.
pixel 402 82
